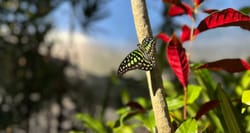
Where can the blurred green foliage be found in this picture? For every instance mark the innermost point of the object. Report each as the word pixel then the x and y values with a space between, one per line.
pixel 31 81
pixel 28 78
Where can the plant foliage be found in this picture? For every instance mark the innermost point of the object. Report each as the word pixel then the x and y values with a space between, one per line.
pixel 211 105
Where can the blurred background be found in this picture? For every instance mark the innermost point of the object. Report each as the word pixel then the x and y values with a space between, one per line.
pixel 59 58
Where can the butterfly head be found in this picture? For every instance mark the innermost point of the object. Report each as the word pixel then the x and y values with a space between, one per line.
pixel 148 40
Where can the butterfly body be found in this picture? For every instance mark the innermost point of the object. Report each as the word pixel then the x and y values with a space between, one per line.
pixel 141 58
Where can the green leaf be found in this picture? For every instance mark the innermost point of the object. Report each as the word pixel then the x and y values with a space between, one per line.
pixel 244 83
pixel 245 10
pixel 91 123
pixel 175 102
pixel 125 114
pixel 246 97
pixel 193 93
pixel 246 100
pixel 228 112
pixel 205 80
pixel 189 126
pixel 124 129
pixel 125 97
pixel 246 80
pixel 122 110
pixel 142 101
pixel 148 120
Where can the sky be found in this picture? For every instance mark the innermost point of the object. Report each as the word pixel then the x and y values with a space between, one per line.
pixel 119 26
pixel 117 32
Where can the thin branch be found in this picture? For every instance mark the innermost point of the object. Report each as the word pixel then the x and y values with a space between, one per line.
pixel 185 103
pixel 155 85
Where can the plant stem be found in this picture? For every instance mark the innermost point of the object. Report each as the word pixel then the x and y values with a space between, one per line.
pixel 154 79
pixel 191 39
pixel 185 103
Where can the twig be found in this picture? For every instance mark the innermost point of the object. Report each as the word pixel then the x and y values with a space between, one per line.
pixel 185 104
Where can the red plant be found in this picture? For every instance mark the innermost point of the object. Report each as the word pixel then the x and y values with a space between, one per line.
pixel 176 55
pixel 163 37
pixel 181 9
pixel 197 2
pixel 185 35
pixel 230 65
pixel 206 108
pixel 210 11
pixel 177 59
pixel 224 18
pixel 176 2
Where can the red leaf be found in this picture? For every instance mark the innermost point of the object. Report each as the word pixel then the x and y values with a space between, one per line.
pixel 177 59
pixel 198 2
pixel 206 108
pixel 210 11
pixel 230 65
pixel 163 37
pixel 176 2
pixel 185 35
pixel 175 10
pixel 226 17
pixel 180 9
pixel 135 106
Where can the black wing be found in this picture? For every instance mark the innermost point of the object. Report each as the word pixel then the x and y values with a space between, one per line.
pixel 134 60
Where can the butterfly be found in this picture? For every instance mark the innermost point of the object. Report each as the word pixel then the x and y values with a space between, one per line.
pixel 141 58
